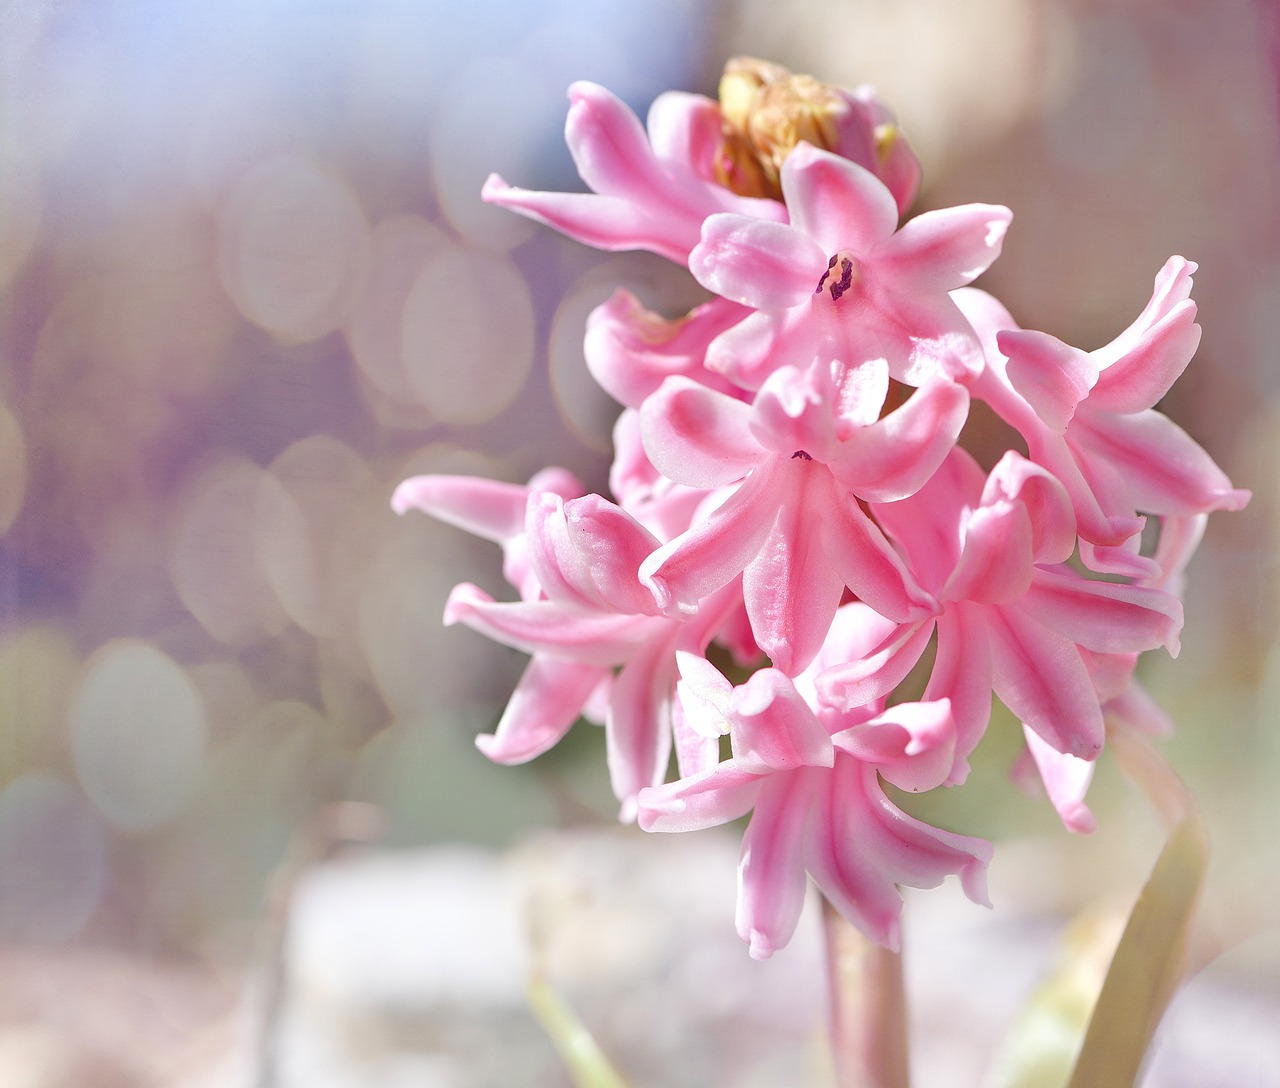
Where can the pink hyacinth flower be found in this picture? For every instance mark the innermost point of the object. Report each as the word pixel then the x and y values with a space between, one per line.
pixel 648 191
pixel 817 807
pixel 840 283
pixel 1089 417
pixel 593 617
pixel 1013 617
pixel 793 525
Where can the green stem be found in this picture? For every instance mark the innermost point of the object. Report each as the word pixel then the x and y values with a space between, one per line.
pixel 868 1007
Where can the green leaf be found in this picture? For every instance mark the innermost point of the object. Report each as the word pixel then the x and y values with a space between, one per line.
pixel 582 1057
pixel 1147 963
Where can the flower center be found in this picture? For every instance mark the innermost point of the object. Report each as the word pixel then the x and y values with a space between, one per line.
pixel 841 274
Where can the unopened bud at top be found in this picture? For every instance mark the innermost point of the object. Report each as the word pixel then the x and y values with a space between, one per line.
pixel 767 110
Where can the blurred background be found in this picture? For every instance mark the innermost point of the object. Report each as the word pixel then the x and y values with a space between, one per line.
pixel 247 285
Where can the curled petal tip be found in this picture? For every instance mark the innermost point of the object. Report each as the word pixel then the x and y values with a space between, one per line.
pixel 493 189
pixel 1079 819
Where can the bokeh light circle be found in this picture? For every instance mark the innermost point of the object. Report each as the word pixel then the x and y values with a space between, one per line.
pixel 468 335
pixel 138 735
pixel 292 247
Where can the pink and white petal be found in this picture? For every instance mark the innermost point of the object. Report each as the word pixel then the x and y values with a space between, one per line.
pixel 923 336
pixel 927 526
pixel 859 553
pixel 1149 366
pixel 918 855
pixel 488 508
pixel 703 693
pixel 630 350
pixel 759 263
pixel 1172 288
pixel 1165 470
pixel 771 877
pixel 610 223
pixel 791 587
pixel 1126 560
pixel 1039 675
pixel 548 627
pixel 1105 617
pixel 610 545
pixel 896 456
pixel 912 745
pixel 609 146
pixel 714 797
pixel 944 249
pixel 865 679
pixel 774 729
pixel 838 203
pixel 1180 536
pixel 843 851
pixel 1105 513
pixel 962 674
pixel 556 562
pixel 1066 780
pixel 1053 522
pixel 695 752
pixel 748 352
pixel 793 413
pixel 1051 376
pixel 638 726
pixel 696 436
pixel 543 707
pixel 995 562
pixel 717 549
pixel 686 128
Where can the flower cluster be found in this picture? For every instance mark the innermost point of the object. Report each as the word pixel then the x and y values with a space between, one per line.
pixel 788 488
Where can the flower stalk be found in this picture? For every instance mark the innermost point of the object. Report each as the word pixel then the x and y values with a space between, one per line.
pixel 867 1007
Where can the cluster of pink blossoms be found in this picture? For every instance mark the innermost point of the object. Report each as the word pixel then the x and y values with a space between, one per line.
pixel 788 486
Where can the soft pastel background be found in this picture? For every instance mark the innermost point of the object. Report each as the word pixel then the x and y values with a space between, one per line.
pixel 247 285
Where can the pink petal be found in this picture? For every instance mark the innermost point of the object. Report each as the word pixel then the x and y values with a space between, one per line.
pixel 771 878
pixel 926 526
pixel 1051 376
pixel 773 727
pixel 794 412
pixel 1165 470
pixel 696 436
pixel 766 265
pixel 1135 709
pixel 995 563
pixel 704 693
pixel 962 674
pixel 866 679
pixel 1103 616
pixel 544 705
pixel 548 627
pixel 603 222
pixel 713 797
pixel 922 335
pixel 487 508
pixel 695 753
pixel 715 551
pixel 912 744
pixel 1146 359
pixel 1038 674
pixel 1066 780
pixel 610 544
pixel 792 589
pixel 894 457
pixel 630 350
pixel 1053 523
pixel 686 128
pixel 836 202
pixel 638 726
pixel 945 249
pixel 869 566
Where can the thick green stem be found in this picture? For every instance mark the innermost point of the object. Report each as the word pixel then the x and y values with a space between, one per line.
pixel 868 1007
